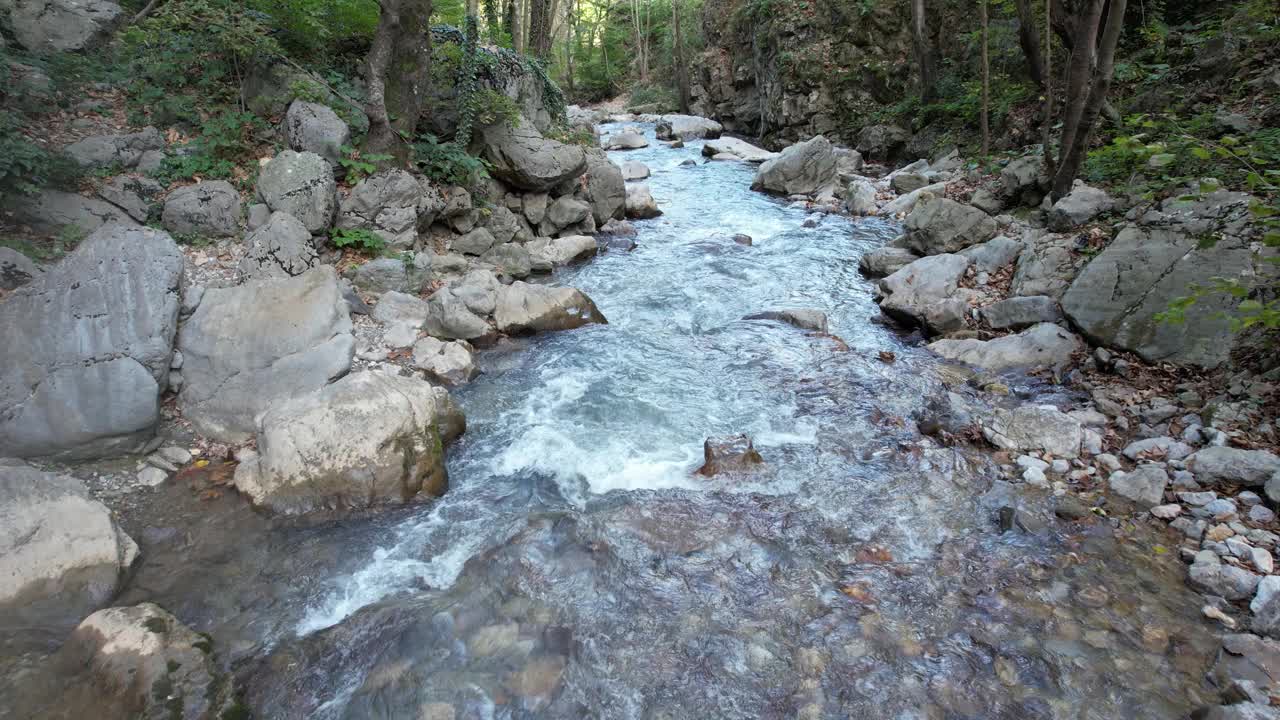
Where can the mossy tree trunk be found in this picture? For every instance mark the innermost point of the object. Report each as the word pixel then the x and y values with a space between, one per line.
pixel 396 71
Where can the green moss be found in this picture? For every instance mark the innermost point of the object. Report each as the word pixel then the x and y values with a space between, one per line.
pixel 156 625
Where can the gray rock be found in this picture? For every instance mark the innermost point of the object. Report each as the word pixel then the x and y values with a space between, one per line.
pixel 1144 485
pixel 987 201
pixel 452 363
pixel 1078 207
pixel 860 198
pixel 85 347
pixel 1023 179
pixel 1022 312
pixel 625 141
pixel 115 151
pixel 549 252
pixel 686 127
pixel 848 163
pixel 280 248
pixel 522 307
pixel 523 158
pixel 397 307
pixel 476 242
pixel 1041 346
pixel 386 203
pixel 61 553
pixel 915 295
pixel 993 255
pixel 246 347
pixel 739 149
pixel 150 161
pixel 51 211
pixel 16 269
pixel 1035 427
pixel 1239 711
pixel 207 209
pixel 907 182
pixel 606 188
pixel 535 206
pixel 1227 581
pixel 566 211
pixel 259 214
pixel 302 185
pixel 939 225
pixel 640 203
pixel 141 662
pixel 885 261
pixel 807 168
pixel 387 274
pixel 135 195
pixel 805 319
pixel 1250 468
pixel 634 171
pixel 881 142
pixel 311 127
pixel 49 26
pixel 1117 296
pixel 907 203
pixel 309 459
pixel 1046 265
pixel 512 259
pixel 1165 447
pixel 450 318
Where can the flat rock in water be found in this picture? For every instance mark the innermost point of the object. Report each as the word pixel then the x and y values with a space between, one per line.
pixel 729 454
pixel 737 149
pixel 805 319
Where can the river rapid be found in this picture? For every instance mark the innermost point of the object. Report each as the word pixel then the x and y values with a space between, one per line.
pixel 578 569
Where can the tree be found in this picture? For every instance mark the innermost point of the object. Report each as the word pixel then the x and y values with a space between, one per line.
pixel 923 52
pixel 986 78
pixel 541 17
pixel 1029 39
pixel 1086 97
pixel 641 24
pixel 677 51
pixel 396 71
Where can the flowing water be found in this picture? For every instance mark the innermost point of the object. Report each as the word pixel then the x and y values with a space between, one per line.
pixel 577 568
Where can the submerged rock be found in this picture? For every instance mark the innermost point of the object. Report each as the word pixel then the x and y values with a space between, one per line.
pixel 369 439
pixel 729 454
pixel 805 319
pixel 640 203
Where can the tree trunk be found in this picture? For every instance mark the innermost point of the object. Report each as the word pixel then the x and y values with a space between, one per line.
pixel 1029 39
pixel 396 72
pixel 1078 78
pixel 681 69
pixel 539 27
pixel 986 79
pixel 1073 155
pixel 1048 90
pixel 923 51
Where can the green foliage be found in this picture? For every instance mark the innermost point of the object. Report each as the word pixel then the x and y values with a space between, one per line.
pixel 26 167
pixel 359 239
pixel 225 142
pixel 664 98
pixel 316 28
pixel 449 163
pixel 360 165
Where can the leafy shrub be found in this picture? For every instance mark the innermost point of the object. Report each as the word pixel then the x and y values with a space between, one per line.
pixel 359 239
pixel 358 165
pixel 26 167
pixel 658 95
pixel 225 140
pixel 448 163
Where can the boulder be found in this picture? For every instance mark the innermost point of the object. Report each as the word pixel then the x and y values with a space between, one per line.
pixel 881 142
pixel 522 307
pixel 389 274
pixel 993 255
pixel 805 319
pixel 520 156
pixel 280 248
pixel 548 252
pixel 208 209
pixel 1226 581
pixel 625 141
pixel 452 363
pixel 135 195
pixel 534 206
pixel 939 225
pixel 1144 485
pixel 246 347
pixel 806 168
pixel 49 26
pixel 686 127
pixel 449 317
pixel 1251 468
pixel 640 203
pixel 386 203
pixel 476 242
pixel 860 198
pixel 503 224
pixel 85 347
pixel 565 211
pixel 368 439
pixel 634 171
pixel 885 261
pixel 16 269
pixel 848 163
pixel 511 259
pixel 315 128
pixel 1078 207
pixel 1041 346
pixel 1021 312
pixel 115 151
pixel 61 553
pixel 1115 299
pixel 51 211
pixel 141 662
pixel 731 454
pixel 1047 264
pixel 399 308
pixel 987 201
pixel 606 188
pixel 1035 428
pixel 1023 180
pixel 908 182
pixel 739 149
pixel 922 293
pixel 302 185
pixel 907 203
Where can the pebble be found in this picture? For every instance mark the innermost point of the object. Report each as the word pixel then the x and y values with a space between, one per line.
pixel 152 476
pixel 1219 532
pixel 175 454
pixel 1238 548
pixel 1029 461
pixel 1035 476
pixel 1214 613
pixel 1262 561
pixel 1198 499
pixel 1261 514
pixel 156 460
pixel 1269 586
pixel 1193 529
pixel 1185 479
pixel 1221 509
pixel 1248 497
pixel 1165 447
pixel 1167 512
pixel 176 362
pixel 1108 462
pixel 1060 466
